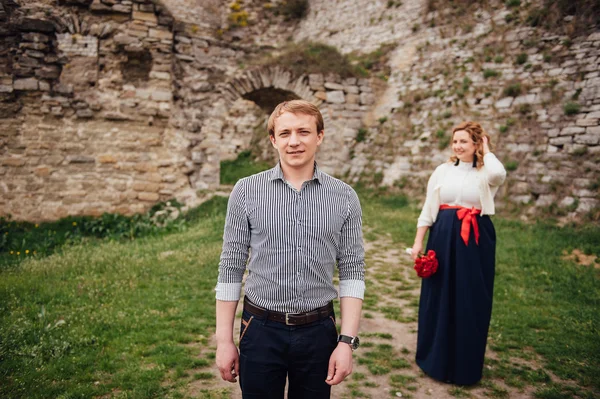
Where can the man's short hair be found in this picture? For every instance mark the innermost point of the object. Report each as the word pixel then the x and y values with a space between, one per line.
pixel 295 107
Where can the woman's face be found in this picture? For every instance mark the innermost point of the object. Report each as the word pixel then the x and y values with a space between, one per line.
pixel 463 146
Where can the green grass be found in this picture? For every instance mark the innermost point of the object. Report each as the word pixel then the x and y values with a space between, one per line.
pixel 133 318
pixel 541 301
pixel 110 316
pixel 244 165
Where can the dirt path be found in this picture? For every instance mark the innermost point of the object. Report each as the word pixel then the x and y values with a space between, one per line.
pixel 384 365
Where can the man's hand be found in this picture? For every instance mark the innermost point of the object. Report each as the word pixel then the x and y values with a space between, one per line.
pixel 228 361
pixel 340 364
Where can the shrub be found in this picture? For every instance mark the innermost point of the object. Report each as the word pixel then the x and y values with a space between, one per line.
pixel 444 142
pixel 490 73
pixel 512 90
pixel 244 165
pixel 524 109
pixel 513 3
pixel 511 166
pixel 294 9
pixel 238 19
pixel 382 120
pixel 503 129
pixel 498 59
pixel 571 108
pixel 361 135
pixel 20 240
pixel 312 57
pixel 375 61
pixel 521 59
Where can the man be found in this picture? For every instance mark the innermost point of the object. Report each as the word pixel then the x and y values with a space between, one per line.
pixel 290 226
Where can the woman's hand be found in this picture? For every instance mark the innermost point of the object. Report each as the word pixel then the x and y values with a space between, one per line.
pixel 485 144
pixel 417 249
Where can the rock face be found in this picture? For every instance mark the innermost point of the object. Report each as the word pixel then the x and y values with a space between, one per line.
pixel 112 105
pixel 536 93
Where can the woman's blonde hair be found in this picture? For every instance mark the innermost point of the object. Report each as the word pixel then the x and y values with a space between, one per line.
pixel 477 134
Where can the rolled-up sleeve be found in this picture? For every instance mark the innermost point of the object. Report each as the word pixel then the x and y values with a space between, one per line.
pixel 351 255
pixel 236 244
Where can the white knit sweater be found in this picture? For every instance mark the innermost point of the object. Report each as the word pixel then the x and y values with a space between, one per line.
pixel 458 182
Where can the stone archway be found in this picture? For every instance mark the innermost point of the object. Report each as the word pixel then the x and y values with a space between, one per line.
pixel 247 100
pixel 240 115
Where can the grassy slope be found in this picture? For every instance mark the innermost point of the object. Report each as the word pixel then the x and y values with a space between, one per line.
pixel 138 309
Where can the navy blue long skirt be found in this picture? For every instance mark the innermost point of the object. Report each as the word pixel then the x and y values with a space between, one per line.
pixel 456 302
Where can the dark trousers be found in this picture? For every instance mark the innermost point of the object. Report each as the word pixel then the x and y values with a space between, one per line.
pixel 271 351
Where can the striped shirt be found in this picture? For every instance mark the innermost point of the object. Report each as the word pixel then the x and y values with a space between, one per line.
pixel 290 241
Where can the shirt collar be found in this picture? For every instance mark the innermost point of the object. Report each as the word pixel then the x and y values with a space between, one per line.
pixel 277 173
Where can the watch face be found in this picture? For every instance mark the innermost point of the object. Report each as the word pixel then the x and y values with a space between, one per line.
pixel 355 343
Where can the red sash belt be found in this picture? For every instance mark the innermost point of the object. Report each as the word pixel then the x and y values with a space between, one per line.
pixel 468 218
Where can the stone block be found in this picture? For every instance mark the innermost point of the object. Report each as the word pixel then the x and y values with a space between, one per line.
pixel 36 25
pixel 27 84
pixel 587 204
pixel 145 167
pixel 42 171
pixel 351 89
pixel 333 86
pixel 107 159
pixel 6 88
pixel 44 86
pixel 545 200
pixel 122 8
pixel 145 16
pixel 566 202
pixel 13 161
pixel 336 97
pixel 160 34
pixel 153 197
pixel 160 75
pixel 571 130
pixel 367 98
pixel 99 7
pixel 84 113
pixel 592 130
pixel 35 37
pixel 146 187
pixel 63 88
pixel 161 95
pixel 520 199
pixel 48 72
pixel 592 139
pixel 321 95
pixel 352 99
pixel 80 159
pixel 587 122
pixel 504 102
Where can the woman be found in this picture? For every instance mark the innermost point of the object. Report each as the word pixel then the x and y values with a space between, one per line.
pixel 456 302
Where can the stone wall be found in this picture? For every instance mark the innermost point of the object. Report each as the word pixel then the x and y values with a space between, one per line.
pixel 110 106
pixel 515 80
pixel 86 97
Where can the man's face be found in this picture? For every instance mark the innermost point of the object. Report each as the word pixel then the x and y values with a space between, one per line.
pixel 296 139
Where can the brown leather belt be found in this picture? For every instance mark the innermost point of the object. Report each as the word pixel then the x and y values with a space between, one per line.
pixel 290 319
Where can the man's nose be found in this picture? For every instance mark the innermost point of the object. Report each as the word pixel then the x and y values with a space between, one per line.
pixel 294 139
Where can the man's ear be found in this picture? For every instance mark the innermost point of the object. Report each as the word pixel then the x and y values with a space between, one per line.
pixel 272 139
pixel 320 136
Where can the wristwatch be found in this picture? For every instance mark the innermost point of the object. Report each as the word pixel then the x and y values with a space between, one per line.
pixel 354 342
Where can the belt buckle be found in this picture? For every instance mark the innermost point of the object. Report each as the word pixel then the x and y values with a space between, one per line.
pixel 287 318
